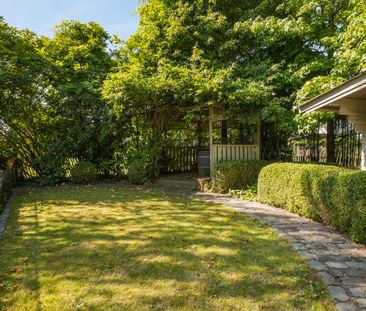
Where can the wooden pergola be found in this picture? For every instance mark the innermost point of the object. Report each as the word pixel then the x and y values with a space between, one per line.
pixel 347 99
pixel 207 146
pixel 223 152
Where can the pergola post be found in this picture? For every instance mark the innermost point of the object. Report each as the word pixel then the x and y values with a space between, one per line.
pixel 363 152
pixel 210 134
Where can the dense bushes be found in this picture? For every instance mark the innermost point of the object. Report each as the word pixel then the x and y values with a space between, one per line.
pixel 239 174
pixel 333 195
pixel 84 173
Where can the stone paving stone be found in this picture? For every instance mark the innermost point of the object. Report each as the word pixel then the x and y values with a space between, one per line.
pixel 306 254
pixel 320 252
pixel 298 246
pixel 354 281
pixel 358 292
pixel 337 272
pixel 355 272
pixel 361 302
pixel 336 265
pixel 327 278
pixel 356 265
pixel 338 293
pixel 316 265
pixel 334 257
pixel 346 306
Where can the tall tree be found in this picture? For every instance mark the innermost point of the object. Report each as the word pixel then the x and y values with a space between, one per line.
pixel 82 61
pixel 23 113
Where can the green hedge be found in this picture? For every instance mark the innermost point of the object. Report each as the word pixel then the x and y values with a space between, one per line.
pixel 238 174
pixel 334 195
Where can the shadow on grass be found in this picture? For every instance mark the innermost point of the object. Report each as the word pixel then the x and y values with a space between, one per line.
pixel 112 249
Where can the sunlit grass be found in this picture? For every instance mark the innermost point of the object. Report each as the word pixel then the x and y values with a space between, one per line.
pixel 109 248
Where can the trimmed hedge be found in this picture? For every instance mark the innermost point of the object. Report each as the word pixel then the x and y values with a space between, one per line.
pixel 333 195
pixel 237 174
pixel 84 173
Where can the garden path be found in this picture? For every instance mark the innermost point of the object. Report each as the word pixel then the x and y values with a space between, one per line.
pixel 338 261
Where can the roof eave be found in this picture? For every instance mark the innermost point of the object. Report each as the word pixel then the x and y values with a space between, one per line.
pixel 335 94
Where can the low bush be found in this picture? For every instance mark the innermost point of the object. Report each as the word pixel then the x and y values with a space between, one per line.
pixel 238 174
pixel 247 194
pixel 84 173
pixel 333 195
pixel 137 172
pixel 50 170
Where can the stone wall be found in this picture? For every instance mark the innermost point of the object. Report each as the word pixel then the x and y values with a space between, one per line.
pixel 6 184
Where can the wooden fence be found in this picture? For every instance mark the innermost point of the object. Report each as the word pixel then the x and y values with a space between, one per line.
pixel 233 152
pixel 179 159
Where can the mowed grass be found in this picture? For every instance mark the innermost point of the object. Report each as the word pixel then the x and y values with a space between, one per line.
pixel 110 248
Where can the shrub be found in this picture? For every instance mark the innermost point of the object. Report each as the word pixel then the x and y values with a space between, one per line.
pixel 334 195
pixel 137 172
pixel 247 194
pixel 84 173
pixel 234 175
pixel 51 170
pixel 144 164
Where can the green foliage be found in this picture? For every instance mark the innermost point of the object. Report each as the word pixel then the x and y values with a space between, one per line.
pixel 23 114
pixel 50 99
pixel 70 96
pixel 79 54
pixel 136 172
pixel 247 194
pixel 340 32
pixel 84 173
pixel 51 169
pixel 234 175
pixel 150 156
pixel 333 195
pixel 351 58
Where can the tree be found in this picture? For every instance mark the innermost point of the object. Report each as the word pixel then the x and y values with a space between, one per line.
pixel 81 59
pixel 51 107
pixel 23 115
pixel 337 27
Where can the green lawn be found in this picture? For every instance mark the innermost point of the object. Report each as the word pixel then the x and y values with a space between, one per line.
pixel 115 248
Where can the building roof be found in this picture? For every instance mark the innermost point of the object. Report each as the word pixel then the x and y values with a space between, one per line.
pixel 353 90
